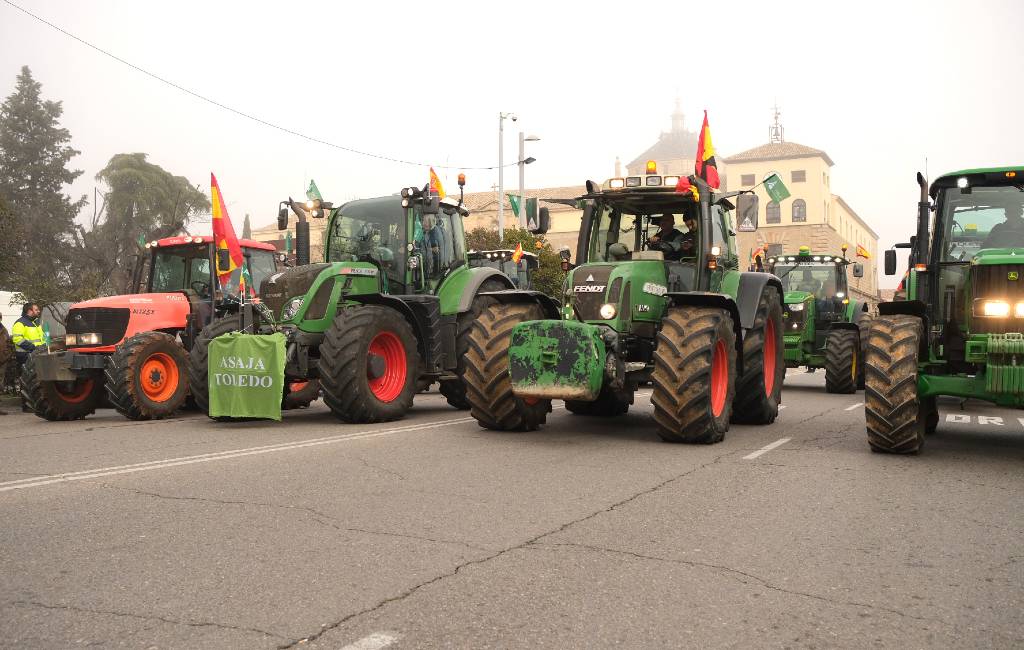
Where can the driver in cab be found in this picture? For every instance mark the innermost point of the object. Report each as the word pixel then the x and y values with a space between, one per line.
pixel 670 241
pixel 1009 233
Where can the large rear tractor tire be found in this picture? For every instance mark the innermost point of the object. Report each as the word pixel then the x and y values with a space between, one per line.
pixel 369 364
pixel 759 389
pixel 454 390
pixel 60 400
pixel 694 375
pixel 609 403
pixel 489 385
pixel 896 418
pixel 198 358
pixel 299 394
pixel 147 376
pixel 842 361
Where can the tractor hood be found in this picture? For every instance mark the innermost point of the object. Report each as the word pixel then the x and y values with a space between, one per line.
pixel 288 284
pixel 990 256
pixel 176 301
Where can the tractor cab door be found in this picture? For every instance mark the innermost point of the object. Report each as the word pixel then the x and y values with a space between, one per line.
pixel 437 246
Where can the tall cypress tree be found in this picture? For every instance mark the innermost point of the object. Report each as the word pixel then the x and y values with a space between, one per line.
pixel 34 157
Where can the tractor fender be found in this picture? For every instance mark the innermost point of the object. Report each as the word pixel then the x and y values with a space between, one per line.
pixel 547 304
pixel 479 276
pixel 842 325
pixel 719 300
pixel 748 294
pixel 402 308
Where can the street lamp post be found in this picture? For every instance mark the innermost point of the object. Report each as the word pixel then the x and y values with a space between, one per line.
pixel 523 162
pixel 501 171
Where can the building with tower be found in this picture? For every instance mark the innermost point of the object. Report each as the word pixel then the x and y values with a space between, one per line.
pixel 674 150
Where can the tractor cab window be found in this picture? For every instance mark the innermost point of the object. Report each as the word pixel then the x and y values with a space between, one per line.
pixel 822 280
pixel 182 268
pixel 619 232
pixel 261 266
pixel 437 239
pixel 988 217
pixel 371 231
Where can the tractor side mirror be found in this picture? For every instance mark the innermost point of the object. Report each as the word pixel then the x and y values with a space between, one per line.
pixel 566 256
pixel 746 207
pixel 223 259
pixel 858 270
pixel 890 262
pixel 282 218
pixel 543 222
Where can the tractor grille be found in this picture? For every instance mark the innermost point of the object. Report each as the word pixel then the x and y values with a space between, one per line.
pixel 794 320
pixel 994 282
pixel 293 283
pixel 588 303
pixel 110 322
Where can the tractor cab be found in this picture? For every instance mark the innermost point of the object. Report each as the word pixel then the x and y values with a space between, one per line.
pixel 520 272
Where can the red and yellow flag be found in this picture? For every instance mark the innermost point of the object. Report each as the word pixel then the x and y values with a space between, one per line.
pixel 863 252
pixel 684 185
pixel 224 235
pixel 435 184
pixel 517 254
pixel 706 167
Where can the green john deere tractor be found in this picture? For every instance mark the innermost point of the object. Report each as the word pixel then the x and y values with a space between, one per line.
pixel 824 326
pixel 642 306
pixel 960 329
pixel 388 311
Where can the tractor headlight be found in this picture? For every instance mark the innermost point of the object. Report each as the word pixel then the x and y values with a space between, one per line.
pixel 607 311
pixel 292 308
pixel 995 308
pixel 70 339
pixel 1018 310
pixel 90 338
pixel 797 307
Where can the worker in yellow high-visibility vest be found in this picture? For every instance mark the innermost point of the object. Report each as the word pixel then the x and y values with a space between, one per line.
pixel 27 333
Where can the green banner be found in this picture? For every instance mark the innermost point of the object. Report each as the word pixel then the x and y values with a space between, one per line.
pixel 246 375
pixel 313 193
pixel 776 188
pixel 513 200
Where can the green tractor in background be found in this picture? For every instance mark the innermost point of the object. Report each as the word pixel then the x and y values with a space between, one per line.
pixel 708 336
pixel 824 326
pixel 960 330
pixel 521 272
pixel 387 312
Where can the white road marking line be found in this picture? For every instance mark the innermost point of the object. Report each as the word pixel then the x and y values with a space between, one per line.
pixel 985 419
pixel 766 448
pixel 375 641
pixel 782 406
pixel 40 481
pixel 857 405
pixel 958 418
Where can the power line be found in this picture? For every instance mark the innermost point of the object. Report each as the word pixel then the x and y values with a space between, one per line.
pixel 225 107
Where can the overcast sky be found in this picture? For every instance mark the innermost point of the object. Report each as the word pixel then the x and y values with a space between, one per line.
pixel 880 86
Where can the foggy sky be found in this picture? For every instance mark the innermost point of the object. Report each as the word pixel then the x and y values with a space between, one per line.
pixel 880 86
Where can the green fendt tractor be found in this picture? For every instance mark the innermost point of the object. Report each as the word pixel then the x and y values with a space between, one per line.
pixel 960 330
pixel 640 308
pixel 824 326
pixel 388 310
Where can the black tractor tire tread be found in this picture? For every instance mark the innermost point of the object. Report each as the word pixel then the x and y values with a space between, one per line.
pixel 42 398
pixel 682 374
pixel 454 390
pixel 123 390
pixel 895 417
pixel 753 405
pixel 842 350
pixel 343 356
pixel 489 385
pixel 198 358
pixel 863 327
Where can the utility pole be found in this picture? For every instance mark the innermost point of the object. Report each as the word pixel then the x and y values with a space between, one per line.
pixel 501 171
pixel 523 162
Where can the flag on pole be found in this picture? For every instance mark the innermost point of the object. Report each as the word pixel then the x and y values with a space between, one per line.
pixel 775 188
pixel 513 200
pixel 313 193
pixel 706 167
pixel 684 185
pixel 224 236
pixel 517 254
pixel 435 185
pixel 863 252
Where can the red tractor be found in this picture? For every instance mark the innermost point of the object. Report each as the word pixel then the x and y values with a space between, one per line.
pixel 133 349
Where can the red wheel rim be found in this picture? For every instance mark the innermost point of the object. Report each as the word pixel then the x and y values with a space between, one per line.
pixel 719 378
pixel 769 357
pixel 296 386
pixel 77 393
pixel 159 377
pixel 389 385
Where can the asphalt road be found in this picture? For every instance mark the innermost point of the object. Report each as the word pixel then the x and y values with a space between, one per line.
pixel 432 532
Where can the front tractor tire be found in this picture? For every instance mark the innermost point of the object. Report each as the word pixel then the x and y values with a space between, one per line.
pixel 694 375
pixel 454 390
pixel 842 361
pixel 369 364
pixel 489 386
pixel 896 417
pixel 199 357
pixel 147 376
pixel 60 400
pixel 759 388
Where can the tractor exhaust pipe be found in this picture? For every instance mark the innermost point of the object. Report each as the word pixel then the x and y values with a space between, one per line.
pixel 923 213
pixel 302 243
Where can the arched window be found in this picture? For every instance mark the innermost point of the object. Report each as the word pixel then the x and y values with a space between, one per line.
pixel 772 213
pixel 799 211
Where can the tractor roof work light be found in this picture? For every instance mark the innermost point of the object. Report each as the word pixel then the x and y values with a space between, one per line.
pixel 961 182
pixel 652 167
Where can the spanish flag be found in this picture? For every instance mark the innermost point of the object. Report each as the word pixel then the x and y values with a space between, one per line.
pixel 517 254
pixel 684 185
pixel 707 169
pixel 863 252
pixel 435 185
pixel 224 235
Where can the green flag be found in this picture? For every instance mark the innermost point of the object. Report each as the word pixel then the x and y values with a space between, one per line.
pixel 776 188
pixel 246 375
pixel 46 333
pixel 313 193
pixel 513 200
pixel 288 242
